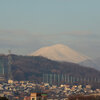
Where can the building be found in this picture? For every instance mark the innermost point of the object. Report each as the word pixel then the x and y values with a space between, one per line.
pixel 38 96
pixel 26 98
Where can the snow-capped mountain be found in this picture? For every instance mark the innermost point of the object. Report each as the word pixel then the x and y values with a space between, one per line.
pixel 60 52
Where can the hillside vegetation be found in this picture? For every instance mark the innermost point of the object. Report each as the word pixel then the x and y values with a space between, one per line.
pixel 32 68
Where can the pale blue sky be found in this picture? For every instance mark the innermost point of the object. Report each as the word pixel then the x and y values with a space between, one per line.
pixel 27 25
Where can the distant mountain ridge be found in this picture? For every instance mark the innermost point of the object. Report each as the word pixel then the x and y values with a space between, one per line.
pixel 60 52
pixel 95 63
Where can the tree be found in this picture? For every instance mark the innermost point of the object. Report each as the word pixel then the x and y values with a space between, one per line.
pixel 3 98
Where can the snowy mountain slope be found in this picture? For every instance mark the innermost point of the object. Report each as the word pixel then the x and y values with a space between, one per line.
pixel 60 52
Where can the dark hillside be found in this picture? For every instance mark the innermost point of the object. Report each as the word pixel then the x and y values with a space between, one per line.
pixel 32 68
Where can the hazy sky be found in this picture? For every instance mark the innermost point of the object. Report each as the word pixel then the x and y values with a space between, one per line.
pixel 27 25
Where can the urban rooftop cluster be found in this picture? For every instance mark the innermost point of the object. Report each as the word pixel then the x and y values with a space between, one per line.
pixel 22 90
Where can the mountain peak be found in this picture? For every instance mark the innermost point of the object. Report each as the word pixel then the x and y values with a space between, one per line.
pixel 59 45
pixel 60 52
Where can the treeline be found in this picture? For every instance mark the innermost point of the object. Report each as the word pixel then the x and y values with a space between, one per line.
pixel 3 98
pixel 82 97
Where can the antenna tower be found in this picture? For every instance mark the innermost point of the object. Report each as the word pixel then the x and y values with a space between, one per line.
pixel 9 66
